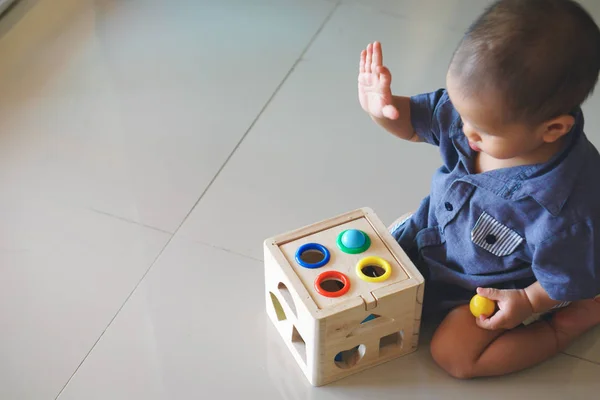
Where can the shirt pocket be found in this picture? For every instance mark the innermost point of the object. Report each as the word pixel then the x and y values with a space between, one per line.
pixel 493 236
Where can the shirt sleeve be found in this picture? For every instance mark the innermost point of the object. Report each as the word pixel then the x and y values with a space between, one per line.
pixel 425 112
pixel 568 264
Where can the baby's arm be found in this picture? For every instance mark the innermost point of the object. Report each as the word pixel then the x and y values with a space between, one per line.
pixel 375 95
pixel 515 306
pixel 539 298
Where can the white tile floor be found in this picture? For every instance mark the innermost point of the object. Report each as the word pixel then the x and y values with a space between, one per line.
pixel 148 147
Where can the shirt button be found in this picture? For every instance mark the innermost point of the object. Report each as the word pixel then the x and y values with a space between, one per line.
pixel 490 239
pixel 448 206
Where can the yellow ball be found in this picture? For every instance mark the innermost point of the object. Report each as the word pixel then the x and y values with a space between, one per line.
pixel 482 306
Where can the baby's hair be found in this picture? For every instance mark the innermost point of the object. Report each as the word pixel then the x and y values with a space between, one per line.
pixel 542 57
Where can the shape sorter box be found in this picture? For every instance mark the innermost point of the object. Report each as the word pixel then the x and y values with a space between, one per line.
pixel 343 295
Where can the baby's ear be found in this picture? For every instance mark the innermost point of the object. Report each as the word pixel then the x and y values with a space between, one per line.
pixel 558 127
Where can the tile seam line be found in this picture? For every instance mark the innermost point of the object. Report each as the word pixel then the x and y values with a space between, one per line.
pixel 226 250
pixel 114 317
pixel 260 113
pixel 267 103
pixel 580 358
pixel 130 221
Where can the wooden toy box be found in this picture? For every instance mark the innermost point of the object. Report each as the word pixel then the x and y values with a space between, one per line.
pixel 343 295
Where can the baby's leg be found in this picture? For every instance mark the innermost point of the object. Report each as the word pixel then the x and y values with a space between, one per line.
pixel 465 350
pixel 571 322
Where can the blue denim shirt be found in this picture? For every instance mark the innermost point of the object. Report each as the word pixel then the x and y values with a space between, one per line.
pixel 504 228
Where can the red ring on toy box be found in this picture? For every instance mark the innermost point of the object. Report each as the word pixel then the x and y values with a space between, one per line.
pixel 336 278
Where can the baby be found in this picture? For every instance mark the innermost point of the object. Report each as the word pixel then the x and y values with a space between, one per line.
pixel 514 211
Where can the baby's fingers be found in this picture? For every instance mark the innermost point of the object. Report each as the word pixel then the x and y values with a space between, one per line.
pixel 369 58
pixel 377 56
pixel 484 323
pixel 385 76
pixel 494 323
pixel 363 60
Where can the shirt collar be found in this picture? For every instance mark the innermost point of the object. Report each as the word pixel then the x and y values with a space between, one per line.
pixel 550 183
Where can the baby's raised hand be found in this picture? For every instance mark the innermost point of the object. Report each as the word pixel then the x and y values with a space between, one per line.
pixel 374 80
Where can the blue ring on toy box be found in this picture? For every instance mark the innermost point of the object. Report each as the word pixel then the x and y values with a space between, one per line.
pixel 312 246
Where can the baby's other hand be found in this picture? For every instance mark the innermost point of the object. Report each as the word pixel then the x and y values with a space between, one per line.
pixel 374 84
pixel 513 308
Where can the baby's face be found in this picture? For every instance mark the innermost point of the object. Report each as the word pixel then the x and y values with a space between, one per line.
pixel 485 128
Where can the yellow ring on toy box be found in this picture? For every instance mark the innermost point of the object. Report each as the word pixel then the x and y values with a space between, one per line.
pixel 373 261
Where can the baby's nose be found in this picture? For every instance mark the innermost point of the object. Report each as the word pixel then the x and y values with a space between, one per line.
pixel 471 134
